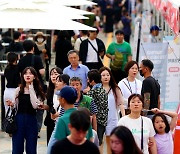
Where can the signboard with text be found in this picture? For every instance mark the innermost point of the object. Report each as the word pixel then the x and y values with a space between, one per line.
pixel 172 98
pixel 157 53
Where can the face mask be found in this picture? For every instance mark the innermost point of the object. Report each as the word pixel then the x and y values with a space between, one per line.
pixel 141 73
pixel 40 40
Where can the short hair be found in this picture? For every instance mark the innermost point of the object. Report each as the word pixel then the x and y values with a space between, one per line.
pixel 94 75
pixel 84 32
pixel 71 52
pixel 11 57
pixel 119 32
pixel 63 77
pixel 75 79
pixel 167 128
pixel 16 35
pixel 80 120
pixel 128 141
pixel 28 45
pixel 134 96
pixel 97 30
pixel 129 65
pixel 148 63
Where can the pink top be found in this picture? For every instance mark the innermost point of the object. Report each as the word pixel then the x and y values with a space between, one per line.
pixel 164 143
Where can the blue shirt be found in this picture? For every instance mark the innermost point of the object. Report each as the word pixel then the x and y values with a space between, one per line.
pixel 81 72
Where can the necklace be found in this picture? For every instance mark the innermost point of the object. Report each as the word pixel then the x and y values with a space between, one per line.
pixel 129 87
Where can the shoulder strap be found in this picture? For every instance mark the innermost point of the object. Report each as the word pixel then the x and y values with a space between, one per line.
pixel 109 90
pixel 141 134
pixel 93 46
pixel 127 86
pixel 81 39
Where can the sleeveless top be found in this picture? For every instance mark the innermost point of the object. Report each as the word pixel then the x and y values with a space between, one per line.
pixel 24 105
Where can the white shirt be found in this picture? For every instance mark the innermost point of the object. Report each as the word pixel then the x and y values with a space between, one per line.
pixel 92 54
pixel 128 88
pixel 112 113
pixel 56 104
pixel 134 126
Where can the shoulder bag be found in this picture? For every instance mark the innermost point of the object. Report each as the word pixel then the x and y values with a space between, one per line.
pixel 9 123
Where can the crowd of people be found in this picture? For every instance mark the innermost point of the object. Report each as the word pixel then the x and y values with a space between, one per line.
pixel 84 100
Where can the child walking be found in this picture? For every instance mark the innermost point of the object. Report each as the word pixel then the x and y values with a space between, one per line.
pixel 164 130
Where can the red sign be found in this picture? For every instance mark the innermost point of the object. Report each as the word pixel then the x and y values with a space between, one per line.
pixel 170 13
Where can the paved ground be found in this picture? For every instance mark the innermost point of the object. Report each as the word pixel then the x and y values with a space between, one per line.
pixel 5 140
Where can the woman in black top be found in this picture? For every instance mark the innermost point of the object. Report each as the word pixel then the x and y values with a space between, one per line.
pixel 28 96
pixel 49 107
pixel 12 76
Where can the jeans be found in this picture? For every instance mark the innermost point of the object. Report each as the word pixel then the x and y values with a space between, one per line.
pixel 52 141
pixel 27 130
pixel 39 116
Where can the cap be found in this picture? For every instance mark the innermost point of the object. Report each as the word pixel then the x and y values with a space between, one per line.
pixel 68 93
pixel 155 27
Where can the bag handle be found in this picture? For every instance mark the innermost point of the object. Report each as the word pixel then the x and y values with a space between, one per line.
pixel 13 113
pixel 8 111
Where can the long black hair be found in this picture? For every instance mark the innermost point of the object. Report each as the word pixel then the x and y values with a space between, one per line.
pixel 36 83
pixel 51 87
pixel 112 82
pixel 125 135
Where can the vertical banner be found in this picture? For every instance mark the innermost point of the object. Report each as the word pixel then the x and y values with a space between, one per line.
pixel 157 53
pixel 172 99
pixel 145 26
pixel 136 35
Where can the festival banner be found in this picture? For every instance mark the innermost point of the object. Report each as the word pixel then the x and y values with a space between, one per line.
pixel 172 98
pixel 157 53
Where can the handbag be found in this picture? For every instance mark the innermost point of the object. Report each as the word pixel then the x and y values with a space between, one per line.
pixel 117 63
pixel 9 123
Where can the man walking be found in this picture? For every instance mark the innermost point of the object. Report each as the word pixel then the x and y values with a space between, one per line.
pixel 92 50
pixel 75 69
pixel 150 87
pixel 120 53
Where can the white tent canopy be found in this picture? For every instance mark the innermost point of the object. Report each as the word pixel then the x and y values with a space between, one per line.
pixel 44 15
pixel 67 2
pixel 19 20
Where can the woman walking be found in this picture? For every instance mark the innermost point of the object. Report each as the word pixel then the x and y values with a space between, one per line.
pixel 28 96
pixel 115 102
pixel 51 97
pixel 130 85
pixel 140 126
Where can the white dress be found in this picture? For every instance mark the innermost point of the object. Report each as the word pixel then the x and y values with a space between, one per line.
pixel 128 88
pixel 112 114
